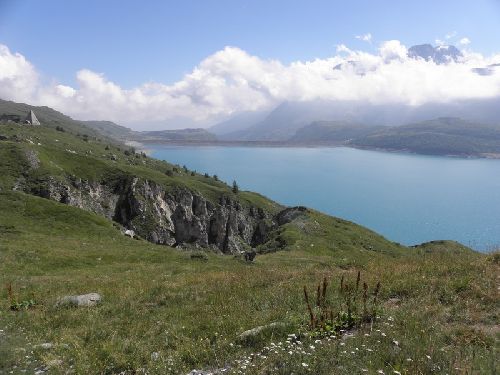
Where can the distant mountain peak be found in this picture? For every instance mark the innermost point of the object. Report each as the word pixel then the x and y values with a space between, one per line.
pixel 442 54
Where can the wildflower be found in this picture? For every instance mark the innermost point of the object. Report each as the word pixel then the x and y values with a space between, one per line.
pixel 304 364
pixel 383 334
pixel 428 356
pixel 317 341
pixel 311 347
pixel 409 360
pixel 364 369
pixel 396 372
pixel 395 342
pixel 380 371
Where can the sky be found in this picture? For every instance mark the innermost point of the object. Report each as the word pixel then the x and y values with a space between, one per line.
pixel 172 62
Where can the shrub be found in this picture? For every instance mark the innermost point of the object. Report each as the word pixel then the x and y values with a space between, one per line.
pixel 236 189
pixel 17 305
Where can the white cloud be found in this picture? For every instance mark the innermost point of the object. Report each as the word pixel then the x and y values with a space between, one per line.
pixel 365 37
pixel 231 80
pixel 18 77
pixel 392 49
pixel 450 35
pixel 464 41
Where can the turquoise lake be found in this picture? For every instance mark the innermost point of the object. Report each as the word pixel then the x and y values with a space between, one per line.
pixel 407 198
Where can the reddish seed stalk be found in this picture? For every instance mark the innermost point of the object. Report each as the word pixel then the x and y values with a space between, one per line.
pixel 311 314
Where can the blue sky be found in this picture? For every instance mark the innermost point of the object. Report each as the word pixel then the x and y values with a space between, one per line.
pixel 133 42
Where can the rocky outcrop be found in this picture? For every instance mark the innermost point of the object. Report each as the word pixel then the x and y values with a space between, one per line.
pixel 173 217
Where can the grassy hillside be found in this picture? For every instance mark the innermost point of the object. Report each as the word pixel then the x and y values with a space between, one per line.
pixel 443 136
pixel 111 130
pixel 165 311
pixel 48 117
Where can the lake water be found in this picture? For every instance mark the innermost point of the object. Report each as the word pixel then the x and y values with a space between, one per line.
pixel 407 198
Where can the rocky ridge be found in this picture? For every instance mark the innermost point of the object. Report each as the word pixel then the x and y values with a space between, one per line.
pixel 173 217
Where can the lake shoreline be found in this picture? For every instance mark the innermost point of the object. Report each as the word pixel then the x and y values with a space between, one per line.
pixel 280 144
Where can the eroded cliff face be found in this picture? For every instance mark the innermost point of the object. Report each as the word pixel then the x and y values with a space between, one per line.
pixel 174 217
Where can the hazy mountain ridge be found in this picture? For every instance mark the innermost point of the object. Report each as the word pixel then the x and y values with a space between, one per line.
pixel 442 136
pixel 393 127
pixel 53 118
pixel 332 132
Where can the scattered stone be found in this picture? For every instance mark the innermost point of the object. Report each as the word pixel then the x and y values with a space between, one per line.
pixel 32 158
pixel 210 372
pixel 45 345
pixel 83 300
pixel 394 301
pixel 290 214
pixel 130 233
pixel 54 363
pixel 250 255
pixel 251 333
pixel 155 356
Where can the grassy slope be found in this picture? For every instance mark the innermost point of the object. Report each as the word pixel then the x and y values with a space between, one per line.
pixel 47 116
pixel 93 161
pixel 158 300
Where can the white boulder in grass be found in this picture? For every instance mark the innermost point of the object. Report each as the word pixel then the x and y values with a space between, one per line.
pixel 83 300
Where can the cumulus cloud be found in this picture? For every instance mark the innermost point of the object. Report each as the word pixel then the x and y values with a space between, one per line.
pixel 231 80
pixel 18 78
pixel 451 35
pixel 464 41
pixel 365 37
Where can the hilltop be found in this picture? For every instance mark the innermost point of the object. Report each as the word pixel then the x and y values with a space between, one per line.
pixel 178 296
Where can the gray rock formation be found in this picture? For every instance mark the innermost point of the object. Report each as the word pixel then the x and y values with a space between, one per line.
pixel 170 217
pixel 83 300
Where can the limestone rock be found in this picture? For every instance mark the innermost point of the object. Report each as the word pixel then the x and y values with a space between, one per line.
pixel 83 300
pixel 254 332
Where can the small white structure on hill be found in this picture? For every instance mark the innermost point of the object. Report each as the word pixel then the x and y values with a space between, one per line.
pixel 31 119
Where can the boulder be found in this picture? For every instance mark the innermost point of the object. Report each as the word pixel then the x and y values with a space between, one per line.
pixel 83 300
pixel 254 332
